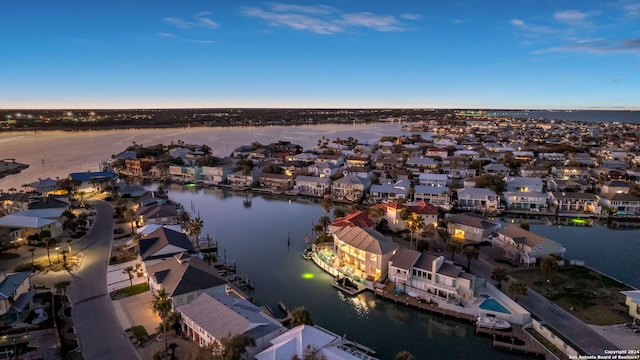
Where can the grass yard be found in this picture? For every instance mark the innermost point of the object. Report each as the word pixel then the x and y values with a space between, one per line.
pixel 592 297
pixel 129 291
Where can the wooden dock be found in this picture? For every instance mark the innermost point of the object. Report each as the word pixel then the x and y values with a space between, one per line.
pixel 388 293
pixel 515 339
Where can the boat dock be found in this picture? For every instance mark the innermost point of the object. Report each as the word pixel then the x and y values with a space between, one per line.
pixel 346 285
pixel 515 339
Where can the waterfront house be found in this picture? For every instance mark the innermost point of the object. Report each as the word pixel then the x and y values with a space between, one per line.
pixel 350 187
pixel 60 203
pixel 24 224
pixel 184 277
pixel 130 190
pixel 632 300
pixel 391 190
pixel 436 152
pixel 424 275
pixel 472 227
pixel 90 181
pixel 471 198
pixel 15 294
pixel 526 245
pixel 43 186
pixel 623 204
pixel 295 167
pixel 572 202
pixel 388 162
pixel 365 251
pixel 436 195
pixel 312 185
pixel 210 318
pixel 157 214
pixel 524 184
pixel 214 175
pixel 574 173
pixel 437 180
pixel 163 243
pixel 361 172
pixel 357 161
pixel 296 342
pixel 138 167
pixel 279 182
pixel 240 179
pixel 185 174
pixel 531 201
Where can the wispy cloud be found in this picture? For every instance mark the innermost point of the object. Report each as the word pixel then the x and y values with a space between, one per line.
pixel 197 41
pixel 326 20
pixel 632 9
pixel 597 46
pixel 166 35
pixel 575 17
pixel 531 29
pixel 200 19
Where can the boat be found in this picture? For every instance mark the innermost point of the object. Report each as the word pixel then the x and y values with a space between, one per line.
pixel 347 285
pixel 492 323
pixel 307 254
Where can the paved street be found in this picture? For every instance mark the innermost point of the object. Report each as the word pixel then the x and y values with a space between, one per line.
pixel 556 317
pixel 98 329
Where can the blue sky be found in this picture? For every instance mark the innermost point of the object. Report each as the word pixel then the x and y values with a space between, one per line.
pixel 416 54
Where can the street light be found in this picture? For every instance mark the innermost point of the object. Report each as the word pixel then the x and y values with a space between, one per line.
pixel 58 252
pixel 15 354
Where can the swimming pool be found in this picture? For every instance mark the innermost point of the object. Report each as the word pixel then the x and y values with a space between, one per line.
pixel 491 304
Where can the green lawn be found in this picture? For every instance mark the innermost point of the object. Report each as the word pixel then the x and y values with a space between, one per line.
pixel 592 297
pixel 129 291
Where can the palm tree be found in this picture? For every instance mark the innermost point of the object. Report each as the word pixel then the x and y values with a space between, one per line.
pixel 184 219
pixel 339 212
pixel 33 264
pixel 326 205
pixel 61 287
pixel 470 252
pixel 518 288
pixel 499 274
pixel 64 253
pixel 300 316
pixel 548 266
pixel 173 347
pixel 454 246
pixel 195 228
pixel 45 237
pixel 128 215
pixel 324 221
pixel 415 226
pixel 161 305
pixel 406 215
pixel 209 258
pixel 129 271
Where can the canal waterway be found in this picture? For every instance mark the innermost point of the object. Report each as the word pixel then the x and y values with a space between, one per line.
pixel 265 235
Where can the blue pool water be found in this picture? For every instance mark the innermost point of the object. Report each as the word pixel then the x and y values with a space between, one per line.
pixel 490 304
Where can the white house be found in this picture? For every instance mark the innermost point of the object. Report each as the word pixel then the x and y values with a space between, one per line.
pixel 478 199
pixel 364 249
pixel 209 318
pixel 437 180
pixel 529 246
pixel 312 185
pixel 624 204
pixel 574 202
pixel 350 187
pixel 533 201
pixel 524 184
pixel 215 175
pixel 471 227
pixel 421 164
pixel 436 195
pixel 390 190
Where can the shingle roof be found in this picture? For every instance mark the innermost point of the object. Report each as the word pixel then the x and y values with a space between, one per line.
pixel 404 258
pixel 184 276
pixel 11 283
pixel 368 240
pixel 477 222
pixel 161 238
pixel 522 236
pixel 425 261
pixel 358 218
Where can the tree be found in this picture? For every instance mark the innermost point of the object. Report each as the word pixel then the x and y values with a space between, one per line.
pixel 173 347
pixel 470 252
pixel 493 182
pixel 45 237
pixel 82 221
pixel 404 355
pixel 161 305
pixel 376 214
pixel 184 219
pixel 33 264
pixel 61 287
pixel 209 258
pixel 454 246
pixel 518 288
pixel 415 226
pixel 326 204
pixel 128 215
pixel 339 212
pixel 324 221
pixel 499 274
pixel 234 347
pixel 548 266
pixel 300 316
pixel 129 271
pixel 195 228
